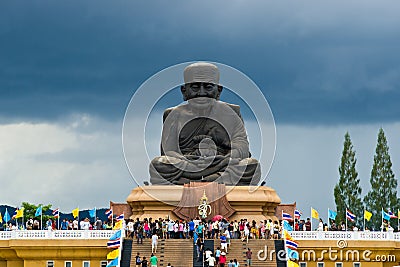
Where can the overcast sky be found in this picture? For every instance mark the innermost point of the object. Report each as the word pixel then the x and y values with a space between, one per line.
pixel 68 70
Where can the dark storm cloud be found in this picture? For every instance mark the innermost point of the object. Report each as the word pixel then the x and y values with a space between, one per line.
pixel 315 62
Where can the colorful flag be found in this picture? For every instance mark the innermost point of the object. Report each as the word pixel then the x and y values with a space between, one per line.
pixel 109 213
pixel 38 211
pixel 292 264
pixel 1 218
pixel 114 243
pixel 385 215
pixel 287 226
pixel 75 212
pixel 314 214
pixel 297 214
pixel 114 262
pixel 398 213
pixel 116 235
pixel 113 254
pixel 6 217
pixel 120 217
pixel 92 213
pixel 292 254
pixel 56 213
pixel 291 244
pixel 287 236
pixel 118 225
pixel 332 214
pixel 367 215
pixel 350 216
pixel 391 214
pixel 286 216
pixel 19 213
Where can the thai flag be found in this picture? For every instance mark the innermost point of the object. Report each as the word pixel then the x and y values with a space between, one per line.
pixel 291 244
pixel 56 213
pixel 286 216
pixel 109 213
pixel 297 214
pixel 391 214
pixel 120 217
pixel 114 243
pixel 350 216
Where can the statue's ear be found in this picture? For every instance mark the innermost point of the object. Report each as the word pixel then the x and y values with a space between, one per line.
pixel 219 91
pixel 183 91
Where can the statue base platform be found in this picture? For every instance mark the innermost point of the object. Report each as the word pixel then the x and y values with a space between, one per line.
pixel 159 201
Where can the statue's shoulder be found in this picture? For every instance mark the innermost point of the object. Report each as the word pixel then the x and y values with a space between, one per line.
pixel 235 108
pixel 176 108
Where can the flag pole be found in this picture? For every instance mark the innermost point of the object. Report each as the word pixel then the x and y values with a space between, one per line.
pixel 294 219
pixel 329 221
pixel 41 218
pixel 382 220
pixel 364 219
pixel 311 219
pixel 58 219
pixel 398 219
pixel 346 219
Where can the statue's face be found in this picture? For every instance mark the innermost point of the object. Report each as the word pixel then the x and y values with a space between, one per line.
pixel 199 89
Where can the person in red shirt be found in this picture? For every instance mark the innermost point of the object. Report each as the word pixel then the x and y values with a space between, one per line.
pixel 222 259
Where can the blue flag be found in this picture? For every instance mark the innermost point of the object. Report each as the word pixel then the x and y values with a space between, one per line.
pixel 92 213
pixel 287 226
pixel 332 214
pixel 385 215
pixel 116 235
pixel 38 211
pixel 6 216
pixel 114 262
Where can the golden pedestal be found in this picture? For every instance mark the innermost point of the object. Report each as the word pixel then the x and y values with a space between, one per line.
pixel 158 201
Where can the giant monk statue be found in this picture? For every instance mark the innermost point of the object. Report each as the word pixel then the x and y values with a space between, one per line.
pixel 204 139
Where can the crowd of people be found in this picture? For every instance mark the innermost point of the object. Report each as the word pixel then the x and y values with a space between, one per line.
pixel 53 224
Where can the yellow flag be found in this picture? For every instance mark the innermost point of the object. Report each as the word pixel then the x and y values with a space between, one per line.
pixel 113 254
pixel 75 212
pixel 292 264
pixel 398 213
pixel 118 225
pixel 367 215
pixel 287 235
pixel 19 213
pixel 1 218
pixel 314 214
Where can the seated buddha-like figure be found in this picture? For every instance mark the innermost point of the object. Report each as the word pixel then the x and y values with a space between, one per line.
pixel 204 139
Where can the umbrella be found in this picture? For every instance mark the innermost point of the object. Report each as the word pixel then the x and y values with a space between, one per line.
pixel 217 217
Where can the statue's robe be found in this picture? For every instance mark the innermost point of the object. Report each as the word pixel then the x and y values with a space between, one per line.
pixel 204 142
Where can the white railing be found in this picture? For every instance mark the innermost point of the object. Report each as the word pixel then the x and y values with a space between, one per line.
pixel 340 235
pixel 57 234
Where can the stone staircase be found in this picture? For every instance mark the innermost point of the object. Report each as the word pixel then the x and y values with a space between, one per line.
pixel 178 252
pixel 238 250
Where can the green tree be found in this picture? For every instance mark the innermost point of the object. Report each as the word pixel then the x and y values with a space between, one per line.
pixel 347 191
pixel 383 193
pixel 30 210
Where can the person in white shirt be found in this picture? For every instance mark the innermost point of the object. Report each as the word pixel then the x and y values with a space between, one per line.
pixel 211 261
pixel 320 225
pixel 154 242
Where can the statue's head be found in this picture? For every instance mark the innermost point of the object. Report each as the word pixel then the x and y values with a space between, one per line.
pixel 201 80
